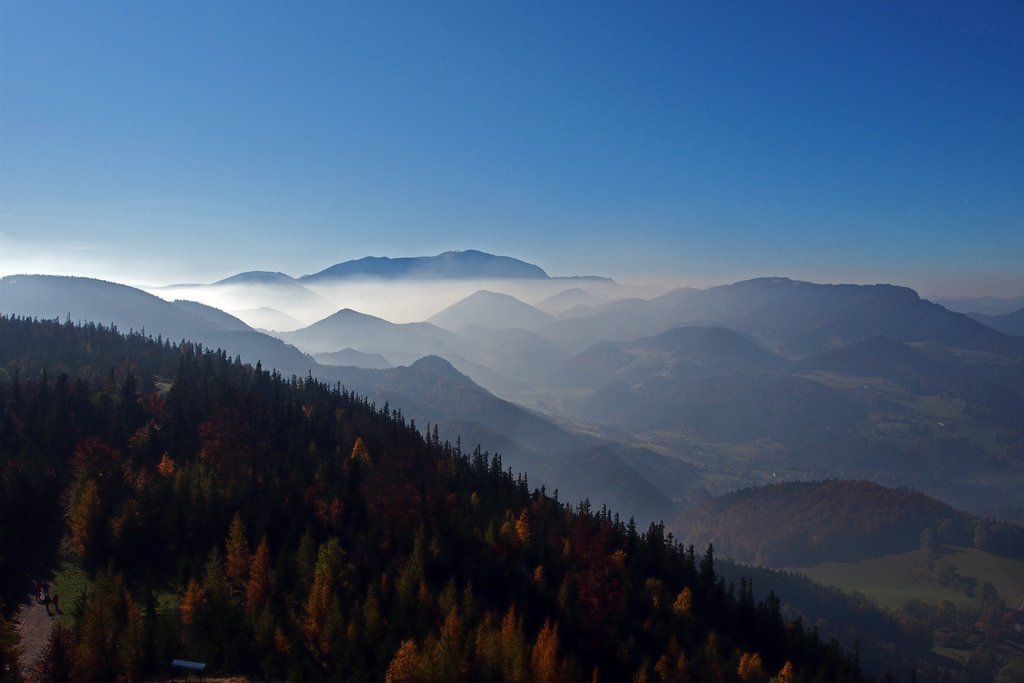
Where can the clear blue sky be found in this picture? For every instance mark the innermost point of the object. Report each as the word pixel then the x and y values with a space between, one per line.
pixel 688 142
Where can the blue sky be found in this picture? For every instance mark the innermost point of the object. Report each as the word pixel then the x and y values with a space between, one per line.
pixel 680 143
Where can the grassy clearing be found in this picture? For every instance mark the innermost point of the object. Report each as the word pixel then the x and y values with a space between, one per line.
pixel 1005 574
pixel 71 583
pixel 941 408
pixel 891 581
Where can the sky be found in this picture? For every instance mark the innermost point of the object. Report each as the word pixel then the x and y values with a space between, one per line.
pixel 683 143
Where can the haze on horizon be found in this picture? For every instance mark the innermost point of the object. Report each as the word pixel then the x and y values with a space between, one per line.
pixel 166 142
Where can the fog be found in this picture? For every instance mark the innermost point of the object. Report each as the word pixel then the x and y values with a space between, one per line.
pixel 271 305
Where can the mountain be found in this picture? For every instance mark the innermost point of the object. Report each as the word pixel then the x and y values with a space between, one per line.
pixel 948 423
pixel 801 318
pixel 454 265
pixel 563 301
pixel 351 357
pixel 988 305
pixel 682 353
pixel 491 310
pixel 248 291
pixel 807 523
pixel 732 408
pixel 52 296
pixel 523 356
pixel 925 372
pixel 352 329
pixel 432 391
pixel 1007 323
pixel 215 316
pixel 289 528
pixel 266 318
pixel 794 318
pixel 89 300
pixel 255 277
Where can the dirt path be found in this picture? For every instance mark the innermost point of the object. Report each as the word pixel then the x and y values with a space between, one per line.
pixel 34 626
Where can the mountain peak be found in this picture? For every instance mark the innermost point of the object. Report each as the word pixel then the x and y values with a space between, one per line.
pixel 439 366
pixel 490 310
pixel 255 277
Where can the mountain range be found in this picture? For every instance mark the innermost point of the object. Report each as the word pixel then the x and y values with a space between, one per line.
pixel 668 396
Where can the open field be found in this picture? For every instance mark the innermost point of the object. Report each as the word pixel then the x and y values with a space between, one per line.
pixel 891 581
pixel 888 581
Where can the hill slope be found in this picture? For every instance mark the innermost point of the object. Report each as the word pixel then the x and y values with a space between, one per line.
pixel 807 523
pixel 290 529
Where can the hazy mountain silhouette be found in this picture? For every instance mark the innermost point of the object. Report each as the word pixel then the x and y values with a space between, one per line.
pixel 248 291
pixel 569 298
pixel 1007 323
pixel 351 357
pixel 89 300
pixel 432 391
pixel 266 318
pixel 255 277
pixel 517 354
pixel 216 316
pixel 491 310
pixel 732 408
pixel 53 296
pixel 987 305
pixel 883 385
pixel 794 318
pixel 682 353
pixel 352 329
pixel 452 265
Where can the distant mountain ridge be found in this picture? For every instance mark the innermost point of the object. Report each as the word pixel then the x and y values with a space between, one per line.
pixel 792 317
pixel 1007 323
pixel 255 276
pixel 453 265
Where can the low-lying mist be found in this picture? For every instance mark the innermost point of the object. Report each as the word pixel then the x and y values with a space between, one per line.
pixel 288 305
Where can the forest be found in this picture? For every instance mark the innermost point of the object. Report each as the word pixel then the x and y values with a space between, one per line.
pixel 284 528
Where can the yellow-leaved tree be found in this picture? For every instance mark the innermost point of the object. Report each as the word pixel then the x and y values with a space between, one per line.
pixel 236 564
pixel 261 581
pixel 544 661
pixel 323 622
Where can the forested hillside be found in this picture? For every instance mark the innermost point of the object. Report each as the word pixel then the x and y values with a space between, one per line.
pixel 807 523
pixel 280 527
